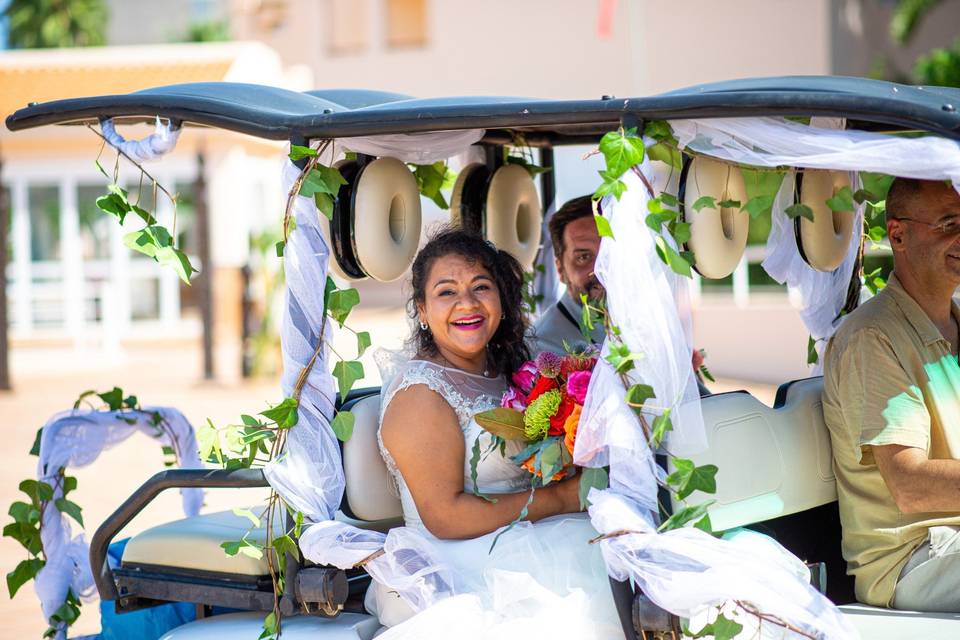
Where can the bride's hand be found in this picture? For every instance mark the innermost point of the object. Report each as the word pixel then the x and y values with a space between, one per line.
pixel 568 493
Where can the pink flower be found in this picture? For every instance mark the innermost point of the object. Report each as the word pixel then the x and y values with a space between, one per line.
pixel 549 364
pixel 577 384
pixel 513 399
pixel 525 376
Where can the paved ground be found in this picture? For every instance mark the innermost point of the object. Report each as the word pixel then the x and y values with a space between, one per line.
pixel 49 381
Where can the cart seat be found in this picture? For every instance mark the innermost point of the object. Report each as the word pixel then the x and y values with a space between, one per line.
pixel 370 502
pixel 887 624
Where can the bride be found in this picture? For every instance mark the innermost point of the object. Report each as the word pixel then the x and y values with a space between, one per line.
pixel 541 576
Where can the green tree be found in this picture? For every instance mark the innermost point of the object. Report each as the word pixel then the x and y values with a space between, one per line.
pixel 39 24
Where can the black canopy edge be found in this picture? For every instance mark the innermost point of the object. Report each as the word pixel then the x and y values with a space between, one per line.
pixel 278 114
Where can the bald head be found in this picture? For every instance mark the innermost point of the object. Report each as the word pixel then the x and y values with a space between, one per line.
pixel 910 198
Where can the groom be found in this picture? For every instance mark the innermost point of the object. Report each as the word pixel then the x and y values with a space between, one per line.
pixel 576 243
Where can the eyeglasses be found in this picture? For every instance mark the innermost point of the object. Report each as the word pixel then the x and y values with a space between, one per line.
pixel 949 227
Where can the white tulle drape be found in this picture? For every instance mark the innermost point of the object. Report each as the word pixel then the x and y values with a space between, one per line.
pixel 159 143
pixel 775 142
pixel 417 148
pixel 73 439
pixel 685 571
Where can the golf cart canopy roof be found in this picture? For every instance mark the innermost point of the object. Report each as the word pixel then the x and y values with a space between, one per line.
pixel 279 114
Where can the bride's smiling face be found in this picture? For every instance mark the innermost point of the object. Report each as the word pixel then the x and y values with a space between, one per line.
pixel 462 309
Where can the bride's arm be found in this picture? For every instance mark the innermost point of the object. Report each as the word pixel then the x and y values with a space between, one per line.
pixel 421 432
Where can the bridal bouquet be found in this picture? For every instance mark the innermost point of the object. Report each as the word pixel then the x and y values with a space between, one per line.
pixel 541 408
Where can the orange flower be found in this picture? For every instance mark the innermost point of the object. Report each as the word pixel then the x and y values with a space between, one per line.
pixel 570 427
pixel 528 465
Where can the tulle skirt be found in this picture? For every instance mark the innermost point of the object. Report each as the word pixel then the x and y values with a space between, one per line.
pixel 541 579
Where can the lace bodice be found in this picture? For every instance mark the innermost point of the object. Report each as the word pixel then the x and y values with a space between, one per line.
pixel 467 394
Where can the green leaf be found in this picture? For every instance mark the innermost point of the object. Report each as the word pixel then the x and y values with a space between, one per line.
pixel 842 200
pixel 24 513
pixel 474 463
pixel 430 180
pixel 114 205
pixel 342 425
pixel 592 478
pixel 244 546
pixel 877 233
pixel 144 215
pixel 284 414
pixel 325 204
pixel 279 247
pixel 271 626
pixel 347 372
pixel 704 524
pixel 24 572
pixel 328 289
pixel 72 509
pixel 687 478
pixel 297 523
pixel 249 515
pixel 112 398
pixel 285 544
pixel 322 179
pixel 705 202
pixel 341 302
pixel 621 358
pixel 812 355
pixel 667 154
pixel 720 629
pixel 758 205
pixel 669 199
pixel 82 397
pixel 662 425
pixel 299 153
pixel 208 441
pixel 35 449
pixel 799 210
pixel 674 260
pixel 611 185
pixel 38 491
pixel 876 184
pixel 729 204
pixel 685 515
pixel 28 535
pixel 551 460
pixel 603 227
pixel 503 422
pixel 621 150
pixel 680 232
pixel 655 221
pixel 638 394
pixel 178 260
pixel 363 342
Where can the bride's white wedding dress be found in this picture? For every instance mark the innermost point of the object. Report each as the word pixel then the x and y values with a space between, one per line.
pixel 540 579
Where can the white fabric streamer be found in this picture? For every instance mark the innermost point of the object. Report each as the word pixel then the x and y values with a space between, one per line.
pixel 157 144
pixel 73 439
pixel 688 571
pixel 416 148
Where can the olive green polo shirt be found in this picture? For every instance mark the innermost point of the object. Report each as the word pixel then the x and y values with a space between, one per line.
pixel 889 378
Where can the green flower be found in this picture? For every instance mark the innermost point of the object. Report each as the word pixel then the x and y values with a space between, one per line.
pixel 536 419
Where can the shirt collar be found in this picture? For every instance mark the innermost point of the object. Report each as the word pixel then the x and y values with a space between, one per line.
pixel 915 314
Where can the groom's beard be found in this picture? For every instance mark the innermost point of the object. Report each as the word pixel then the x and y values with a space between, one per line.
pixel 591 288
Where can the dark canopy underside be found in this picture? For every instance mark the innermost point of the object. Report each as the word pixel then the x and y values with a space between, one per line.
pixel 279 114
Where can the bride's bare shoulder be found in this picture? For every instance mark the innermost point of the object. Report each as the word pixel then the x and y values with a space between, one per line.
pixel 417 412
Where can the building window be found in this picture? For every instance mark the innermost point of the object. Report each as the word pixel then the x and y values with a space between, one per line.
pixel 406 23
pixel 348 26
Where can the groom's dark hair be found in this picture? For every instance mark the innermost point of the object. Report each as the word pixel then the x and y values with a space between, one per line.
pixel 571 210
pixel 507 349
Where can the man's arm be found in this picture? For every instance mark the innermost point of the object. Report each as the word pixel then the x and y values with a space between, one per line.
pixel 918 484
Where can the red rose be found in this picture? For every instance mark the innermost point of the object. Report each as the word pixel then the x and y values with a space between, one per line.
pixel 543 385
pixel 560 417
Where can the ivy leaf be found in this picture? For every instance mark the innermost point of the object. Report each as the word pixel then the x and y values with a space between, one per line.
pixel 656 220
pixel 842 200
pixel 249 515
pixel 341 302
pixel 208 441
pixel 720 629
pixel 704 524
pixel 144 215
pixel 271 626
pixel 178 260
pixel 363 343
pixel 299 153
pixel 812 355
pixel 662 425
pixel 687 478
pixel 322 179
pixel 24 513
pixel 592 478
pixel 72 509
pixel 680 232
pixel 671 258
pixel 112 398
pixel 285 544
pixel 115 205
pixel 284 414
pixel 325 204
pixel 705 202
pixel 799 210
pixel 667 154
pixel 244 546
pixel 669 199
pixel 758 205
pixel 729 204
pixel 342 425
pixel 685 515
pixel 621 358
pixel 876 184
pixel 603 227
pixel 35 449
pixel 347 372
pixel 329 288
pixel 638 394
pixel 297 523
pixel 430 180
pixel 621 150
pixel 533 169
pixel 610 186
pixel 877 233
pixel 280 245
pixel 24 572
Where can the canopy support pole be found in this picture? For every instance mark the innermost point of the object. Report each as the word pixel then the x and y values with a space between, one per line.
pixel 4 258
pixel 205 282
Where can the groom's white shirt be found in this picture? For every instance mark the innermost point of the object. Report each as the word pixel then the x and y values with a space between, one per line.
pixel 555 327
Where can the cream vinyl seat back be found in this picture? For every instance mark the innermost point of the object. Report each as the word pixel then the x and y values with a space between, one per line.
pixel 772 461
pixel 371 494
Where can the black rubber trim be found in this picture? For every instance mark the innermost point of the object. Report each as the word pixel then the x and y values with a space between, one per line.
pixel 341 227
pixel 784 390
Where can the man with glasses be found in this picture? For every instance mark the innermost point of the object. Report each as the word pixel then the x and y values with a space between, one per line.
pixel 892 403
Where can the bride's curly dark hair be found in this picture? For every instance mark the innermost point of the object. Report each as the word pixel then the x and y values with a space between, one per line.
pixel 507 349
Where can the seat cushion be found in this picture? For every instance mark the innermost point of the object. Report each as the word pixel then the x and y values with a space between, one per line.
pixel 194 543
pixel 887 624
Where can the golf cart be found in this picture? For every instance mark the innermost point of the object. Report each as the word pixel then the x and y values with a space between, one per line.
pixel 775 462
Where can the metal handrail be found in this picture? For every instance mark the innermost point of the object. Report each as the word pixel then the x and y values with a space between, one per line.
pixel 170 479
